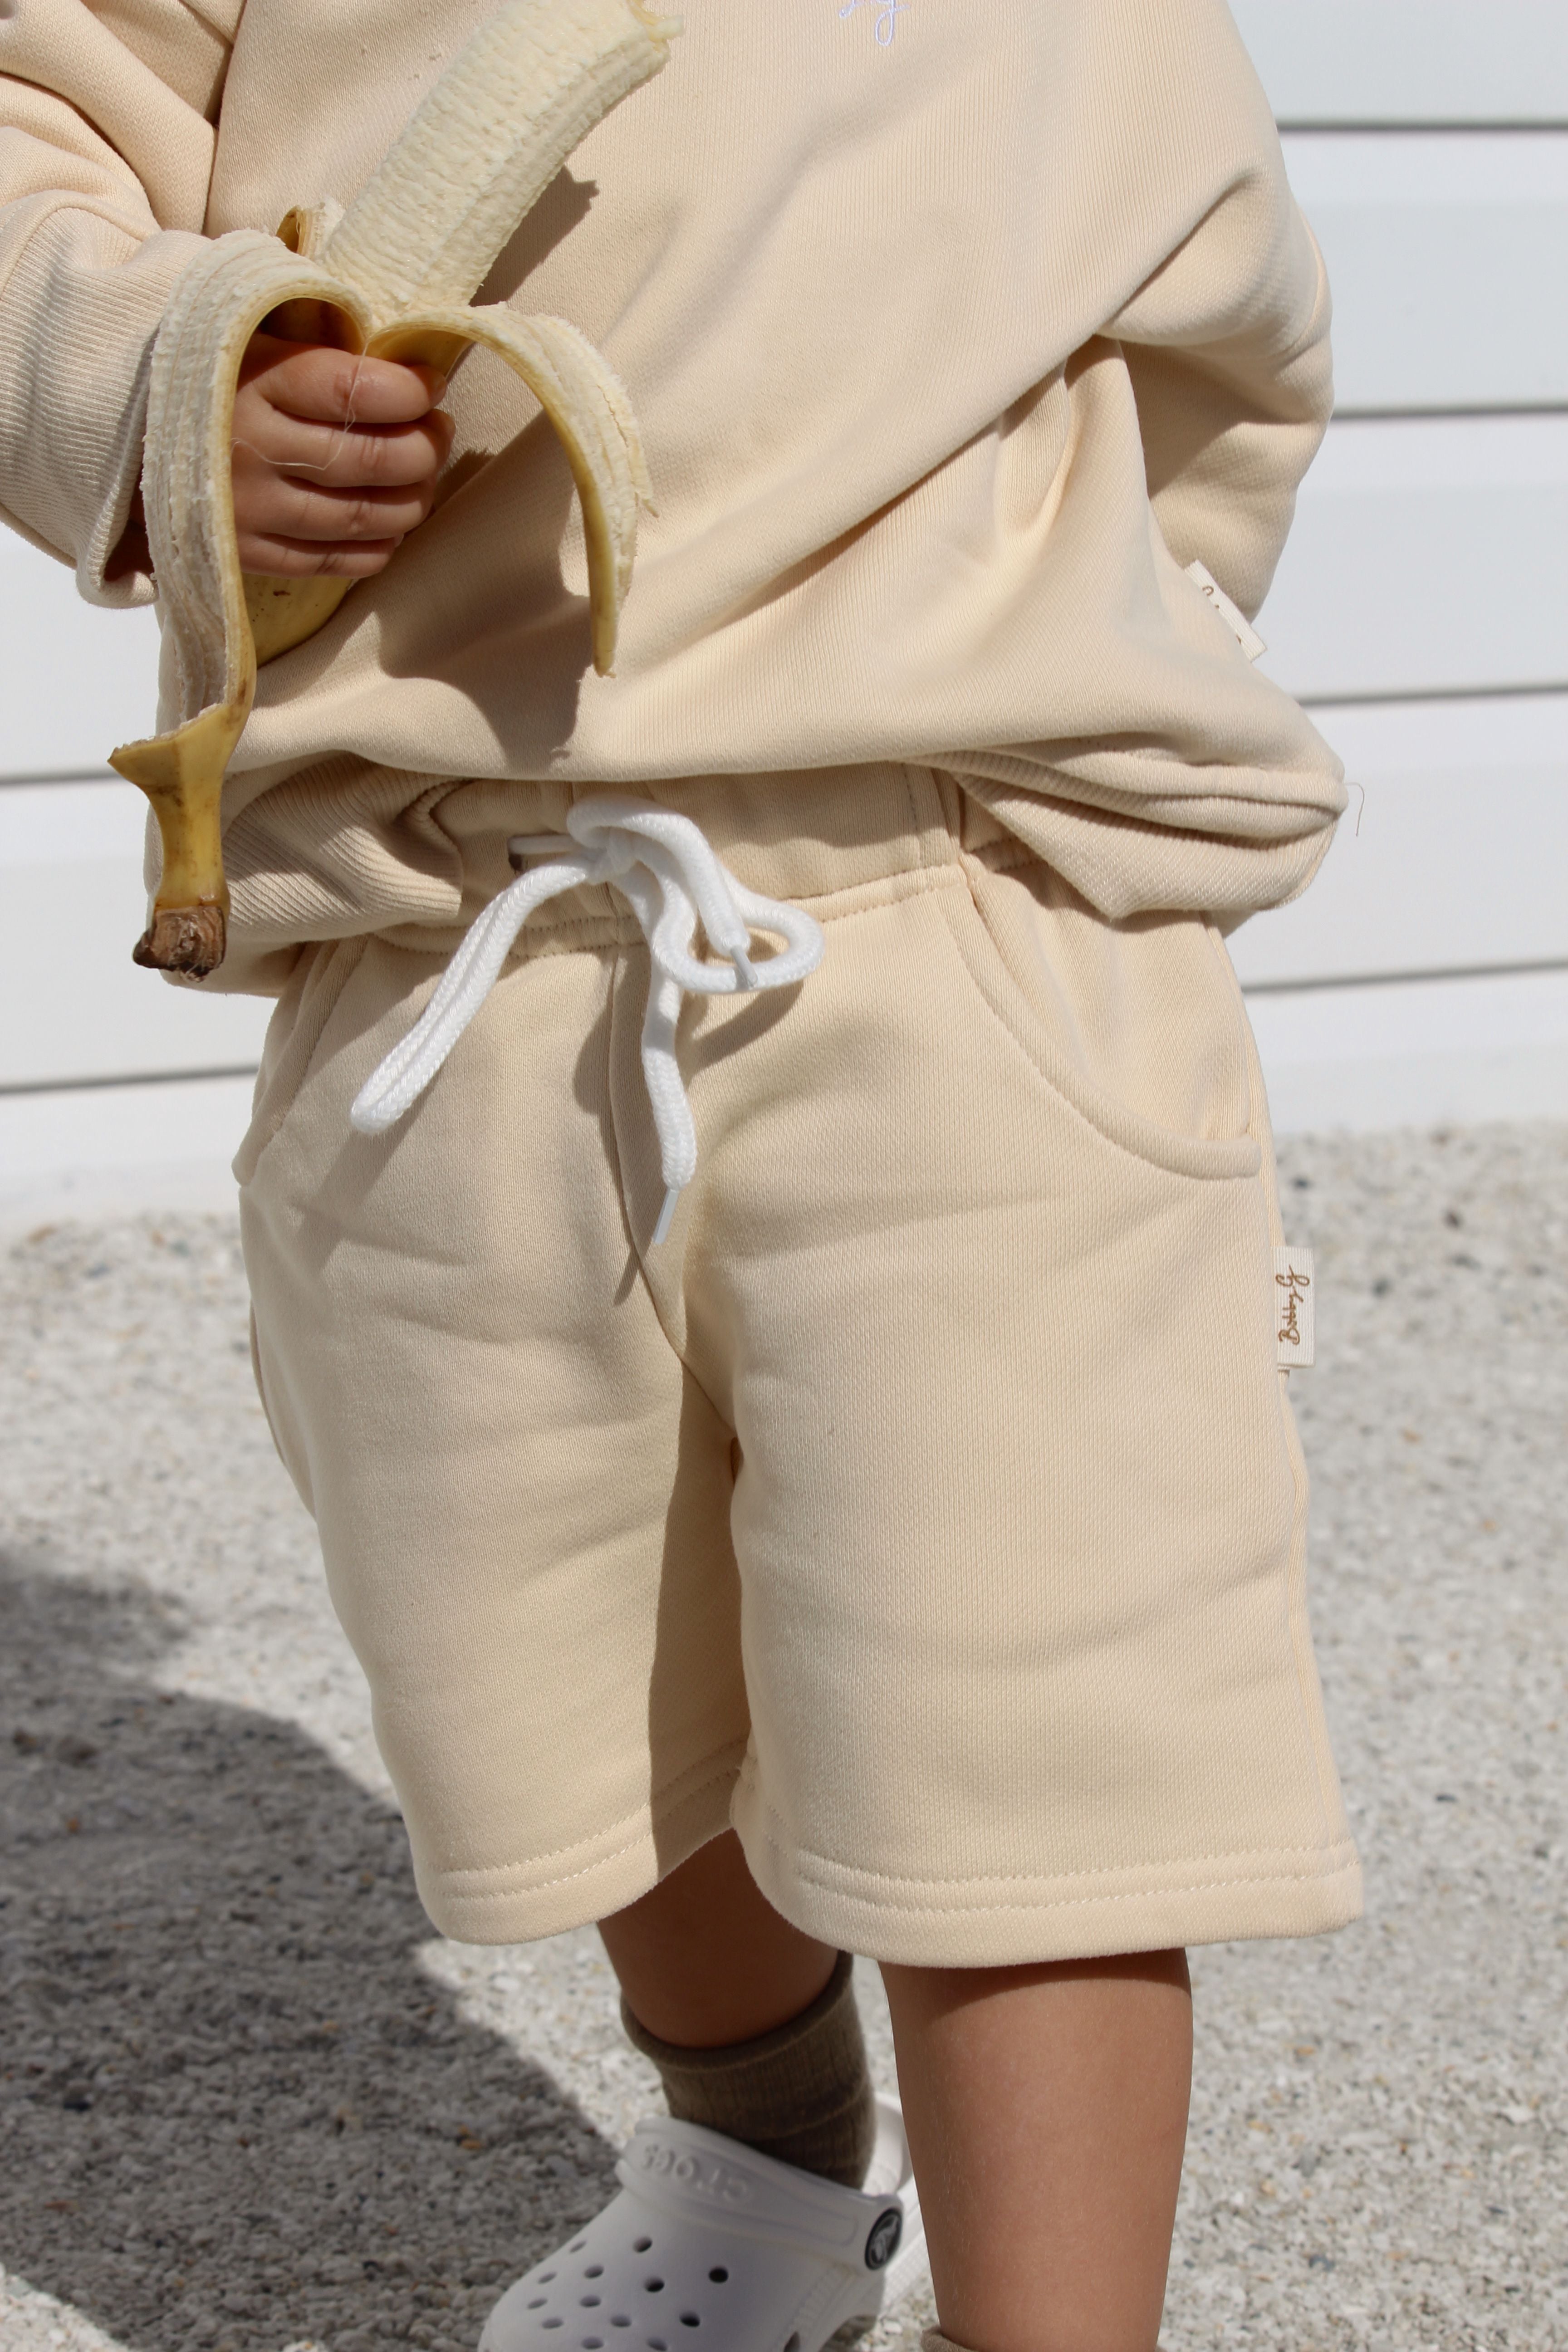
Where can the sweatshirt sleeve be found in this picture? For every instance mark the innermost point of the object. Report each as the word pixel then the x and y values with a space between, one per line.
pixel 1226 342
pixel 106 114
pixel 1176 776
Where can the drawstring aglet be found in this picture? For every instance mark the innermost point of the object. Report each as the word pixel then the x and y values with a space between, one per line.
pixel 665 1216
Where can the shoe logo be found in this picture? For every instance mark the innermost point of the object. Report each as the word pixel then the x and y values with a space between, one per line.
pixel 705 2173
pixel 883 2243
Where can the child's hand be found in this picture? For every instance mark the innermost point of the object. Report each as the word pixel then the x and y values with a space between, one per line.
pixel 335 458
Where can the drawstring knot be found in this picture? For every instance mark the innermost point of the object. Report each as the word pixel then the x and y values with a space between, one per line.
pixel 660 863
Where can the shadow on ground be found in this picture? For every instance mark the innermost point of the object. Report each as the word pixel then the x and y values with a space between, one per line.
pixel 235 2112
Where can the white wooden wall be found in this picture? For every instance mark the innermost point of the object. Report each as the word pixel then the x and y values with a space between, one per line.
pixel 1421 609
pixel 1422 606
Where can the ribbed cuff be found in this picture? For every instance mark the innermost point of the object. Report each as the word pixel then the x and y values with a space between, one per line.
pixel 801 2093
pixel 78 316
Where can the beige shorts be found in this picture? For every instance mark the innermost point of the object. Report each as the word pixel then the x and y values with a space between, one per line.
pixel 927 1506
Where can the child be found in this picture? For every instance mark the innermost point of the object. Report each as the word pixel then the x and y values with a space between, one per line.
pixel 887 1535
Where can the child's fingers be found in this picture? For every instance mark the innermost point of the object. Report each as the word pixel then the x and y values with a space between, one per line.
pixel 332 387
pixel 311 559
pixel 337 458
pixel 272 505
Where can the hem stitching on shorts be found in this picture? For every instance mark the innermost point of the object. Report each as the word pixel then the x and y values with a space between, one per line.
pixel 799 1856
pixel 1261 1878
pixel 650 1816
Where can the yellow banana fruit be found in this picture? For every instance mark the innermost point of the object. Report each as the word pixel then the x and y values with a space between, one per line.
pixel 393 275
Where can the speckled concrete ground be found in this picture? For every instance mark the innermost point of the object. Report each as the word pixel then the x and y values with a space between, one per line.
pixel 250 2102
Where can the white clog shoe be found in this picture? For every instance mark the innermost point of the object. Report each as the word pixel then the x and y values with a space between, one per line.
pixel 710 2247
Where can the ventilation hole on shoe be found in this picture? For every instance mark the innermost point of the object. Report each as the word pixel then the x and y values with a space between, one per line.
pixel 641 2245
pixel 538 2302
pixel 545 2277
pixel 690 2319
pixel 590 2301
pixel 550 2323
pixel 654 2286
pixel 619 2319
pixel 658 2344
pixel 593 2344
pixel 593 2270
pixel 719 2277
pixel 577 2245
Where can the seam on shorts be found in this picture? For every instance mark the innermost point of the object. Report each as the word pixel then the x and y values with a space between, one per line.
pixel 619 1175
pixel 797 1854
pixel 1319 1745
pixel 917 830
pixel 1298 1623
pixel 721 1417
pixel 344 957
pixel 883 890
pixel 1220 955
pixel 1155 1150
pixel 1313 1730
pixel 1086 1902
pixel 650 1816
pixel 1006 857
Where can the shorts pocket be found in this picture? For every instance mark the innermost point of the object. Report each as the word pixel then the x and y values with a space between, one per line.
pixel 1138 1025
pixel 293 1033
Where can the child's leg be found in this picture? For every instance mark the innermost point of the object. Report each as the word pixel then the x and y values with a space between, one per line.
pixel 1047 2109
pixel 705 1959
pixel 1046 2106
pixel 752 2025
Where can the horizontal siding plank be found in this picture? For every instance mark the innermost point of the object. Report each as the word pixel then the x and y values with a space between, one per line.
pixel 1428 556
pixel 1410 61
pixel 75 680
pixel 1451 856
pixel 1448 260
pixel 48 823
pixel 113 1151
pixel 1421 1054
pixel 69 915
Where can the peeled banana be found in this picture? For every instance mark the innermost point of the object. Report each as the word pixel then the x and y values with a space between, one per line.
pixel 392 277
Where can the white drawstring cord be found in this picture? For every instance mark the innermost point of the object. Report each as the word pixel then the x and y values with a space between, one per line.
pixel 662 865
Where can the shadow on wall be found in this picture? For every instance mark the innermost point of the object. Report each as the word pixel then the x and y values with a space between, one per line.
pixel 235 2112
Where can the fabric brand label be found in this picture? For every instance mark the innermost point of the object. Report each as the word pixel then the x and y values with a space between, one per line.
pixel 884 18
pixel 1294 1298
pixel 1235 619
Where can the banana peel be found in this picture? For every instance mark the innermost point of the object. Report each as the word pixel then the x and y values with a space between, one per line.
pixel 393 278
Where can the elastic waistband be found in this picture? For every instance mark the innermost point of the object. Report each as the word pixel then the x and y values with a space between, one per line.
pixel 657 860
pixel 805 835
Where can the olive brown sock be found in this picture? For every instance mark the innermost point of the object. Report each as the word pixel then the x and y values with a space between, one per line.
pixel 802 2093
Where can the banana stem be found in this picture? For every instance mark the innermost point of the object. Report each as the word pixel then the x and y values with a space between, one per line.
pixel 182 776
pixel 192 940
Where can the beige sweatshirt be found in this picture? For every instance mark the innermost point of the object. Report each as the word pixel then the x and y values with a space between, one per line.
pixel 957 330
